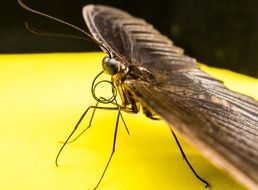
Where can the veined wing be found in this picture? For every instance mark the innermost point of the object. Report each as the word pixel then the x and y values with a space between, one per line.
pixel 222 124
pixel 133 41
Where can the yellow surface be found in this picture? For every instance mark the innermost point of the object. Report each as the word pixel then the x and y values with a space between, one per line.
pixel 42 97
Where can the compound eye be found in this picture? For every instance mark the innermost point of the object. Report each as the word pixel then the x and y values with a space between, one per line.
pixel 110 65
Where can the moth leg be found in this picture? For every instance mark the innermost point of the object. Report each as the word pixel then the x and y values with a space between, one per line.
pixel 79 121
pixel 77 125
pixel 187 162
pixel 127 130
pixel 149 114
pixel 113 148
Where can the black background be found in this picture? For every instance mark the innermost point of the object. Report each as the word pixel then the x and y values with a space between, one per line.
pixel 218 33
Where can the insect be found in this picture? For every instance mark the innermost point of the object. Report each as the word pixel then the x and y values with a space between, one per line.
pixel 151 73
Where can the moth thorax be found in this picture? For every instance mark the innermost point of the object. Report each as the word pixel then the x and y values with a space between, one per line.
pixel 110 65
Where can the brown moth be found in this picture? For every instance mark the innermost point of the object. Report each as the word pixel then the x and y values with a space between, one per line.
pixel 148 71
pixel 221 123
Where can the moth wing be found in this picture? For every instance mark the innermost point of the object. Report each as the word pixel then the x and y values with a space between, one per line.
pixel 119 32
pixel 224 126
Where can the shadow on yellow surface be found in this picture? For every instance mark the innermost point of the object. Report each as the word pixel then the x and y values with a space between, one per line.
pixel 42 97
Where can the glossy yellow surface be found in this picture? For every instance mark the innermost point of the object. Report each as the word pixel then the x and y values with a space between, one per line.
pixel 43 95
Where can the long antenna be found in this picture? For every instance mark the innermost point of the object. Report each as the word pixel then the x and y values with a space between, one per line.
pixel 65 23
pixel 38 32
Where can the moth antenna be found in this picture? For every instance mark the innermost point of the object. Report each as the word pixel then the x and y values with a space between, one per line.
pixel 39 32
pixel 27 8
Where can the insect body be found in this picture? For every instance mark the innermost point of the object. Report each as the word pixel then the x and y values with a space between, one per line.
pixel 221 123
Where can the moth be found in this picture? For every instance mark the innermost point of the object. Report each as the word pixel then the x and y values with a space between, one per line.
pixel 151 73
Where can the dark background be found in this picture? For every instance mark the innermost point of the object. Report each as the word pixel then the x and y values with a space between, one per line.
pixel 218 33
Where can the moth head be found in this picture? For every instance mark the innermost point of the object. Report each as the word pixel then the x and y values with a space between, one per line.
pixel 111 65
